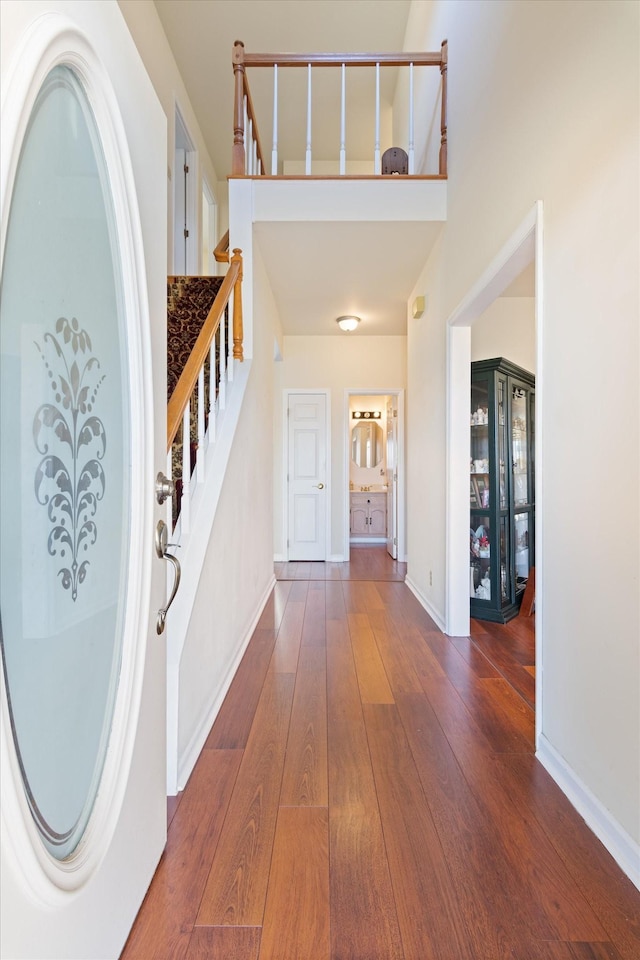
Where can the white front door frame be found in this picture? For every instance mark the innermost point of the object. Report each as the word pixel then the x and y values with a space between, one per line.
pixel 523 247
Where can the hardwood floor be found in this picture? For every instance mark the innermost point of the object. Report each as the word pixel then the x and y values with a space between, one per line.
pixel 369 792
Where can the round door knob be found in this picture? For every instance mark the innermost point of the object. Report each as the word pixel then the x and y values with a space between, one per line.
pixel 319 486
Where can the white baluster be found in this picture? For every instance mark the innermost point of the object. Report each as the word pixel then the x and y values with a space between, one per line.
pixel 256 162
pixel 343 122
pixel 230 360
pixel 211 427
pixel 411 146
pixel 200 450
pixel 274 149
pixel 186 470
pixel 250 149
pixel 222 395
pixel 247 140
pixel 376 150
pixel 308 154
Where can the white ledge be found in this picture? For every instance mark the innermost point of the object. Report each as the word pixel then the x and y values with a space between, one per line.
pixel 352 199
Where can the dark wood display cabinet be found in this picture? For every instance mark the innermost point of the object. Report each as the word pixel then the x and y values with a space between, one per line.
pixel 502 496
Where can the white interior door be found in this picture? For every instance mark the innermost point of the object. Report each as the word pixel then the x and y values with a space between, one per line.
pixel 186 248
pixel 392 481
pixel 307 493
pixel 83 681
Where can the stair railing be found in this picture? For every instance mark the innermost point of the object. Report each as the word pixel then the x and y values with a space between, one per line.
pixel 221 252
pixel 201 391
pixel 248 156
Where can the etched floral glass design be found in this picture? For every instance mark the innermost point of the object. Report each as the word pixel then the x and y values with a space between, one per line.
pixel 64 460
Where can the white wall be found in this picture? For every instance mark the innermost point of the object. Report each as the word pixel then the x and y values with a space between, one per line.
pixel 238 568
pixel 337 364
pixel 149 36
pixel 532 116
pixel 506 329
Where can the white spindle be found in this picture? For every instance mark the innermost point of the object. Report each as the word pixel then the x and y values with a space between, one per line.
pixel 211 426
pixel 200 449
pixel 343 121
pixel 222 361
pixel 246 136
pixel 256 163
pixel 376 150
pixel 229 318
pixel 186 470
pixel 250 149
pixel 274 149
pixel 411 145
pixel 308 154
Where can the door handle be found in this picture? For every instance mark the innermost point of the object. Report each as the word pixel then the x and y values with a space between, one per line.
pixel 319 486
pixel 165 488
pixel 161 543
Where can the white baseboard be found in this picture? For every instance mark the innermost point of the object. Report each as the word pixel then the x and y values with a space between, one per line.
pixel 422 600
pixel 623 848
pixel 188 760
pixel 333 558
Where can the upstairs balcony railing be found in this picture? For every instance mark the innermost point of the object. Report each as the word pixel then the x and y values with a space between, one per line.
pixel 248 158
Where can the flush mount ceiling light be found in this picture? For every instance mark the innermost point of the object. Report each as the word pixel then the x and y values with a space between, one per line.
pixel 348 324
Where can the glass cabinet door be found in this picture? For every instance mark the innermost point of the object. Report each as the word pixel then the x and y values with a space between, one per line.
pixel 520 444
pixel 501 507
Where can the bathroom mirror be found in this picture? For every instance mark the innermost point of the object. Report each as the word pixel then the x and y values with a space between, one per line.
pixel 366 444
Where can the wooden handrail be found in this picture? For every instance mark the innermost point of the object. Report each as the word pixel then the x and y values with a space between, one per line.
pixel 241 60
pixel 189 376
pixel 221 252
pixel 423 59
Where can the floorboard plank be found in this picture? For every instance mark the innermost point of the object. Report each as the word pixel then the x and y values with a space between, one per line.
pixel 165 920
pixel 224 943
pixel 233 723
pixel 399 666
pixel 304 781
pixel 313 628
pixel 364 922
pixel 236 889
pixel 432 924
pixel 275 606
pixel 287 645
pixel 296 917
pixel 372 679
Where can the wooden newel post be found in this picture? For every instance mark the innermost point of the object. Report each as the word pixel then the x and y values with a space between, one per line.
pixel 443 113
pixel 238 156
pixel 238 332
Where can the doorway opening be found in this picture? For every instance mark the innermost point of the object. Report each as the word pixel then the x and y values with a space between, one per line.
pixel 209 230
pixel 523 250
pixel 185 202
pixel 374 470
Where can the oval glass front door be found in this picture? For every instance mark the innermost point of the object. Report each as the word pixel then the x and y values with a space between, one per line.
pixel 65 462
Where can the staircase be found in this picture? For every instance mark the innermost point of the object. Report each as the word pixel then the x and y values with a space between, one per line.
pixel 189 300
pixel 206 384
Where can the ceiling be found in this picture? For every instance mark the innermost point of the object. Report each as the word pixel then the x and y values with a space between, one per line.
pixel 201 34
pixel 318 271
